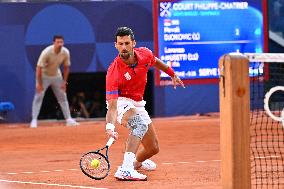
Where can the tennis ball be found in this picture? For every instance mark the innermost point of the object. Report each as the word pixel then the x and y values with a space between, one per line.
pixel 95 163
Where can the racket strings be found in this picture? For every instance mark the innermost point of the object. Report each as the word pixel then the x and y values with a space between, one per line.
pixel 98 172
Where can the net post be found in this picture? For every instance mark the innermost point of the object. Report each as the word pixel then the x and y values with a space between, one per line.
pixel 234 121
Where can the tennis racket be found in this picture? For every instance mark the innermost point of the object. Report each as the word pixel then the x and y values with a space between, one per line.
pixel 95 164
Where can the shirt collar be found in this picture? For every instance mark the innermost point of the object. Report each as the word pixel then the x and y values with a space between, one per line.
pixel 54 50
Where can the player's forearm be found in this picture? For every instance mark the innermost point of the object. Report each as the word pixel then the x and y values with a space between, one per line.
pixel 39 75
pixel 66 71
pixel 111 116
pixel 112 111
pixel 110 122
pixel 164 67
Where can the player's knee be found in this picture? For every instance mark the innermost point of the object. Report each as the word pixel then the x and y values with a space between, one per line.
pixel 127 117
pixel 138 126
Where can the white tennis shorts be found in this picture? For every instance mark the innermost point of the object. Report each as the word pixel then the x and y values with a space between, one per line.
pixel 124 104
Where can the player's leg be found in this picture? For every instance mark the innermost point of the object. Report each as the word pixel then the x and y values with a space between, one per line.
pixel 128 117
pixel 63 101
pixel 37 102
pixel 149 142
pixel 133 141
pixel 150 148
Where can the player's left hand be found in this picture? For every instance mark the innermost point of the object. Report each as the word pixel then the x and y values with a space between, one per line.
pixel 177 81
pixel 63 86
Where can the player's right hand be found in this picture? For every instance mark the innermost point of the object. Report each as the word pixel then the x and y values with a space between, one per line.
pixel 39 88
pixel 112 134
pixel 176 80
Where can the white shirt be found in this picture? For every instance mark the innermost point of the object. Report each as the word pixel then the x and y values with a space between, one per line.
pixel 50 62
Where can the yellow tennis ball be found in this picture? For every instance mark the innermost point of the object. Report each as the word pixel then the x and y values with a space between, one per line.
pixel 95 163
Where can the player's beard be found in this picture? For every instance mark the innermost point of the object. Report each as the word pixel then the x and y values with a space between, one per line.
pixel 125 55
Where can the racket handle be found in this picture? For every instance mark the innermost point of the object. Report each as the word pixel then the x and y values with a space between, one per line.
pixel 110 141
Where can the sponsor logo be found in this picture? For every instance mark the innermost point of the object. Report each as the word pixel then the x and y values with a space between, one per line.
pixel 127 76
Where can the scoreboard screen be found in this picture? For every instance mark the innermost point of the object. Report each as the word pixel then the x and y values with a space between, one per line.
pixel 191 36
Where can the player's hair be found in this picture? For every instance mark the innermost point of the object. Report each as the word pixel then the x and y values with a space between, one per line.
pixel 57 37
pixel 124 31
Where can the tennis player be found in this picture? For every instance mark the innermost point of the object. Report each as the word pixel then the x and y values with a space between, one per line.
pixel 125 84
pixel 48 74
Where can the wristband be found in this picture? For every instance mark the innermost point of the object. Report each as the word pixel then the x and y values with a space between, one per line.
pixel 110 126
pixel 170 72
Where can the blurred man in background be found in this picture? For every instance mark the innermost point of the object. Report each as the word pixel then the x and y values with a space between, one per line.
pixel 48 74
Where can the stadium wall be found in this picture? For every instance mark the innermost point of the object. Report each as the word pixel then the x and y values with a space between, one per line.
pixel 88 27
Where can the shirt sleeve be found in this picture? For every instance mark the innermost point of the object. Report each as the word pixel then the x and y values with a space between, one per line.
pixel 112 90
pixel 67 61
pixel 152 59
pixel 42 59
pixel 151 56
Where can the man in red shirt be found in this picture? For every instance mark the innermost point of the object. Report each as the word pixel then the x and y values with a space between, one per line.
pixel 125 84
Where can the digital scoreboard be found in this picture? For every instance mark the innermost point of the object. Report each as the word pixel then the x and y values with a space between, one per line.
pixel 191 36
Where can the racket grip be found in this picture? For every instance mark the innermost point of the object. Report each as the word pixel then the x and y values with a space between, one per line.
pixel 110 141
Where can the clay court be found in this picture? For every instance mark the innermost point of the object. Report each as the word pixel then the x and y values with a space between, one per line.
pixel 48 156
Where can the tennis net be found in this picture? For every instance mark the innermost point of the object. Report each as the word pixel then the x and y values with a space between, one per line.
pixel 267 120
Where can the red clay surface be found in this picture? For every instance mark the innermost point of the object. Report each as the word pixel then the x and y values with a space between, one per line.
pixel 48 156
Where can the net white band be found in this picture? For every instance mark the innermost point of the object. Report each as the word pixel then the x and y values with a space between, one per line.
pixel 265 57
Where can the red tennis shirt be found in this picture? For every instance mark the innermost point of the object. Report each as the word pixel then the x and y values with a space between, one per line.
pixel 129 81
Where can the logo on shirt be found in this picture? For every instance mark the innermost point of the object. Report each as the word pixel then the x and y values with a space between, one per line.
pixel 127 76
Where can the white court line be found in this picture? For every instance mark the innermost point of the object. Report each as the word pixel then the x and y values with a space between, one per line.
pixel 262 157
pixel 185 162
pixel 47 184
pixel 259 158
pixel 27 172
pixel 165 163
pixel 198 120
